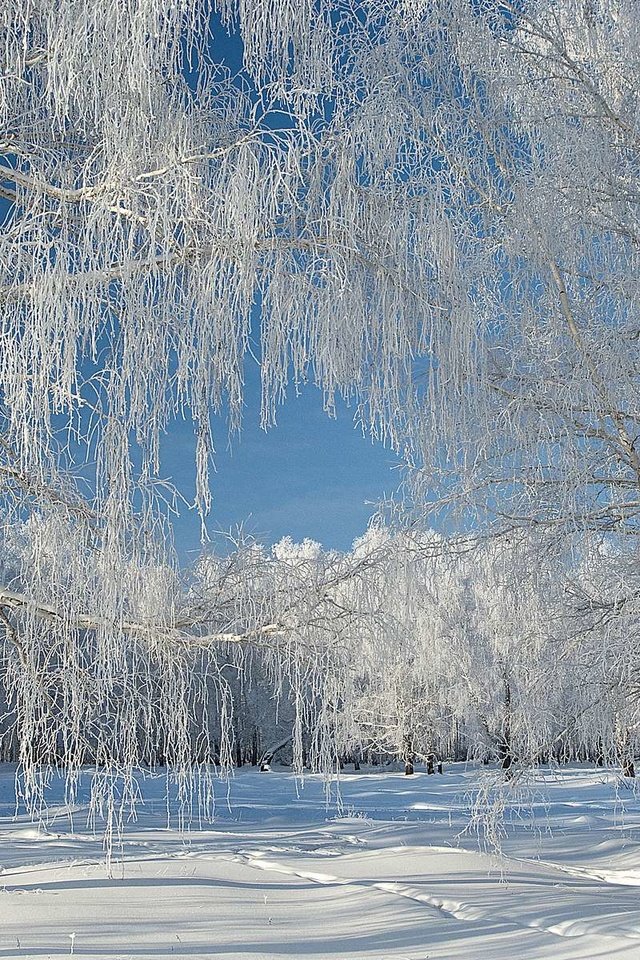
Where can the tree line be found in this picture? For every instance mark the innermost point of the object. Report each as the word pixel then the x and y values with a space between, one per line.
pixel 410 648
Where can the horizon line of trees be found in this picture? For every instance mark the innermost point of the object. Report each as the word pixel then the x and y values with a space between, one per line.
pixel 411 647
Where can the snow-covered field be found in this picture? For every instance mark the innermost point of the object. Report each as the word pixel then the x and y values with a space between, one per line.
pixel 280 875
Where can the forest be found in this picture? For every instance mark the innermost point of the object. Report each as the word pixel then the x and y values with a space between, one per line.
pixel 427 208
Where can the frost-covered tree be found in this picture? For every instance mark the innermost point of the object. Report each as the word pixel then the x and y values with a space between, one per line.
pixel 432 207
pixel 445 180
pixel 396 701
pixel 153 198
pixel 514 650
pixel 529 119
pixel 602 631
pixel 253 644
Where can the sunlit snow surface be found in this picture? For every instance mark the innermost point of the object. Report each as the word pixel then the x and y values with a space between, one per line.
pixel 280 875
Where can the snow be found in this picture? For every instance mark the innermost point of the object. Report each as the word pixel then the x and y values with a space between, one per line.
pixel 392 874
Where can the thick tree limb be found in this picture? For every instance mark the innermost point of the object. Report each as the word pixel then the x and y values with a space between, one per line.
pixel 178 634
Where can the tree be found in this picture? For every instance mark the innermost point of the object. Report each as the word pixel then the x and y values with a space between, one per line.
pixel 531 120
pixel 431 205
pixel 153 198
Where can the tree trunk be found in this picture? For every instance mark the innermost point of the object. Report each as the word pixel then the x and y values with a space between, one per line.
pixel 625 753
pixel 408 754
pixel 505 754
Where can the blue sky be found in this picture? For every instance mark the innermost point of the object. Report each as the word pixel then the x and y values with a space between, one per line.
pixel 309 476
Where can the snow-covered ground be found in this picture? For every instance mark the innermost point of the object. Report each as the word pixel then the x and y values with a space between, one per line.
pixel 280 875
